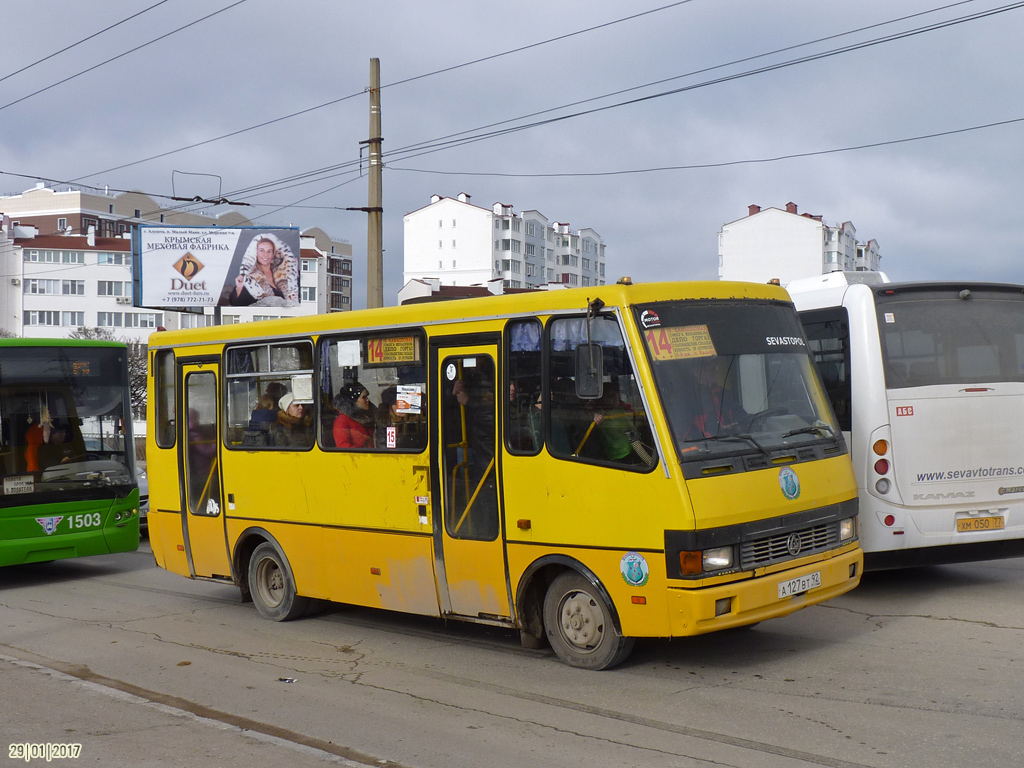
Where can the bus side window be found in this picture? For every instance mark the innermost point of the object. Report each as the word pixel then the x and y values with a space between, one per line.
pixel 271 401
pixel 390 368
pixel 163 374
pixel 828 336
pixel 524 420
pixel 613 429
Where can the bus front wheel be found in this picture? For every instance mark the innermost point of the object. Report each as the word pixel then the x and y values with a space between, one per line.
pixel 579 624
pixel 272 585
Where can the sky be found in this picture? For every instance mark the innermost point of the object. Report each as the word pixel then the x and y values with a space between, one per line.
pixel 706 135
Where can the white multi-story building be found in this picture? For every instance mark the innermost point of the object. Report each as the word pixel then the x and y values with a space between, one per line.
pixel 783 245
pixel 458 243
pixel 51 285
pixel 66 262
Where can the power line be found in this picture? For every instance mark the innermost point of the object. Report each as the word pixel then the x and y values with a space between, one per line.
pixel 83 40
pixel 696 72
pixel 121 55
pixel 451 141
pixel 725 163
pixel 388 85
pixel 441 144
pixel 537 45
pixel 426 147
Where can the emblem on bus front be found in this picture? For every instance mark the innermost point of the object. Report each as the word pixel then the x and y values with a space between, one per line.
pixel 49 523
pixel 794 544
pixel 634 569
pixel 789 483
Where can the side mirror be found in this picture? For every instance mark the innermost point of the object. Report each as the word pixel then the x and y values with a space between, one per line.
pixel 589 372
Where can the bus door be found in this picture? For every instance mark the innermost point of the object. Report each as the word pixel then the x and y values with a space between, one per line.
pixel 202 508
pixel 468 541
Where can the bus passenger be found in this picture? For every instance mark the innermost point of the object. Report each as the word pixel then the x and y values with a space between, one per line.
pixel 717 410
pixel 355 417
pixel 611 422
pixel 264 414
pixel 294 423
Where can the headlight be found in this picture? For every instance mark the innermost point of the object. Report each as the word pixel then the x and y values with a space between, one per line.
pixel 717 559
pixel 847 528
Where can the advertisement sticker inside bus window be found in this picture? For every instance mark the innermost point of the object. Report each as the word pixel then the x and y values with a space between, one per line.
pixel 890 317
pixel 680 343
pixel 409 398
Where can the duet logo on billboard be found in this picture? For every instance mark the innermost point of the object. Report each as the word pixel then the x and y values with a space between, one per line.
pixel 188 266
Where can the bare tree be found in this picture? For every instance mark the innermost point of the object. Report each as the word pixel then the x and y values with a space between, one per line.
pixel 137 357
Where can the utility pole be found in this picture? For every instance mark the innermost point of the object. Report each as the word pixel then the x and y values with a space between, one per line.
pixel 374 209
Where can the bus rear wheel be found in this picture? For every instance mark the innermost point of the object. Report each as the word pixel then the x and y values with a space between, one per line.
pixel 272 585
pixel 579 625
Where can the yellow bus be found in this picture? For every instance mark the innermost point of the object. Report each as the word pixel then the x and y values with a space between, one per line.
pixel 588 466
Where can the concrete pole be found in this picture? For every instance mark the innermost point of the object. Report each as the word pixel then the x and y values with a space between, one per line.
pixel 375 209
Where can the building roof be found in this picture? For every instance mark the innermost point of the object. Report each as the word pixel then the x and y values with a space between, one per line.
pixel 74 242
pixel 449 292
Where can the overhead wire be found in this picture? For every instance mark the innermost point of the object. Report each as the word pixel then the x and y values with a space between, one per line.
pixel 460 139
pixel 443 143
pixel 390 85
pixel 83 40
pixel 455 140
pixel 726 163
pixel 703 70
pixel 122 55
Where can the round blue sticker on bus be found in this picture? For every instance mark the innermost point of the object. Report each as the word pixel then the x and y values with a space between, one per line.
pixel 789 483
pixel 634 569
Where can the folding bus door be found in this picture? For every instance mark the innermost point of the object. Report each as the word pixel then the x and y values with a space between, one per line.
pixel 202 507
pixel 468 531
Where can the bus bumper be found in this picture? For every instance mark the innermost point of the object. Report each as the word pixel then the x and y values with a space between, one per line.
pixel 708 609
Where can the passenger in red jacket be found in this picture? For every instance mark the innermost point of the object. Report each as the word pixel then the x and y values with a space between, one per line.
pixel 353 428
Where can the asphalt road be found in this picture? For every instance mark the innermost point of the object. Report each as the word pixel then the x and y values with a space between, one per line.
pixel 144 668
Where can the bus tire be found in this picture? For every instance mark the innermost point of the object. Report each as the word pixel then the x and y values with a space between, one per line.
pixel 579 625
pixel 272 585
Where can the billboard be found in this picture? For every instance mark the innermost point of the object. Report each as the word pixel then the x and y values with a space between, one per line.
pixel 217 267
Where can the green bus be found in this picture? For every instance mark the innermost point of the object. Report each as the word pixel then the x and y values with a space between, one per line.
pixel 68 479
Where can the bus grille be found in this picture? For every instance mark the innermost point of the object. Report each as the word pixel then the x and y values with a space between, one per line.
pixel 781 546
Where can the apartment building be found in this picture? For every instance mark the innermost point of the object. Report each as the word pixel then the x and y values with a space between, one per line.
pixel 783 244
pixel 51 285
pixel 66 262
pixel 455 242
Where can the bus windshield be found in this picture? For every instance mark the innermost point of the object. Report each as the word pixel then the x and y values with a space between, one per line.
pixel 62 412
pixel 735 378
pixel 951 336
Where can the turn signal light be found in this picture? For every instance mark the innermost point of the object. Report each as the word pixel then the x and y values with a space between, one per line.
pixel 881 447
pixel 691 563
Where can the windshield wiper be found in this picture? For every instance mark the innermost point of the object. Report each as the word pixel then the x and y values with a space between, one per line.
pixel 819 428
pixel 744 436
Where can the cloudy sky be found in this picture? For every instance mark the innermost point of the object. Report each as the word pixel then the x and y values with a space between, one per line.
pixel 733 102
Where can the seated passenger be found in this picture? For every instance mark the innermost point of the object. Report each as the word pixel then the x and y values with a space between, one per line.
pixel 352 428
pixel 294 426
pixel 58 451
pixel 264 414
pixel 612 423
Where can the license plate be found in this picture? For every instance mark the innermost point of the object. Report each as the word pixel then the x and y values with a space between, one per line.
pixel 799 584
pixel 992 523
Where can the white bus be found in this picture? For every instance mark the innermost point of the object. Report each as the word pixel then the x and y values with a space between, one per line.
pixel 927 382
